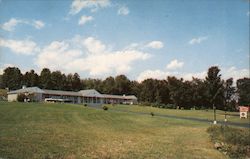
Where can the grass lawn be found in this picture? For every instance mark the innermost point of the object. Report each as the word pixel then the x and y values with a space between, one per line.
pixel 37 130
pixel 201 114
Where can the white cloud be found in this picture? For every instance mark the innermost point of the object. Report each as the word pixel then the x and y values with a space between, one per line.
pixel 12 23
pixel 84 19
pixel 98 61
pixel 197 40
pixel 234 73
pixel 175 64
pixel 155 74
pixel 155 45
pixel 57 55
pixel 227 73
pixel 123 10
pixel 161 74
pixel 94 5
pixel 189 76
pixel 94 46
pixel 25 47
pixel 38 24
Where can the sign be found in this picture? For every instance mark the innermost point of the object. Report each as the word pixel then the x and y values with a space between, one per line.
pixel 244 111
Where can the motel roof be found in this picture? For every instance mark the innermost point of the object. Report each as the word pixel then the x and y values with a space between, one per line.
pixel 82 93
pixel 26 90
pixel 90 93
pixel 58 92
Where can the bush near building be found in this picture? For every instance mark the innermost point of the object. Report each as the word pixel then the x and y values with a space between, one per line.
pixel 21 97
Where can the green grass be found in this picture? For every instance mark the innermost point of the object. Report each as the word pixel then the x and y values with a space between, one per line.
pixel 37 130
pixel 201 114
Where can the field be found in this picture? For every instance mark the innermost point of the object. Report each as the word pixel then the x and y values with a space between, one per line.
pixel 200 114
pixel 37 130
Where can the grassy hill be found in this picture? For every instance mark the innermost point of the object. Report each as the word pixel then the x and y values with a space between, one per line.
pixel 37 130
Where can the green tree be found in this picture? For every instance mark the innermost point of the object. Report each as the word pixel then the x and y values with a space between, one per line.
pixel 243 90
pixel 30 79
pixel 162 92
pixel 135 88
pixel 93 84
pixel 122 85
pixel 174 86
pixel 214 86
pixel 76 82
pixel 199 93
pixel 148 91
pixel 109 85
pixel 12 78
pixel 229 91
pixel 45 79
pixel 56 80
pixel 69 82
pixel 1 82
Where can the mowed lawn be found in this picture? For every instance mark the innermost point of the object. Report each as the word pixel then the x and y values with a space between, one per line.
pixel 37 130
pixel 200 114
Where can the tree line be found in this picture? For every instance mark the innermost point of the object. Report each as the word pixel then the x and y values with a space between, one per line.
pixel 172 91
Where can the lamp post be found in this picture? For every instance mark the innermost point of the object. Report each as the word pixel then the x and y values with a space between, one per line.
pixel 215 122
pixel 225 118
pixel 214 108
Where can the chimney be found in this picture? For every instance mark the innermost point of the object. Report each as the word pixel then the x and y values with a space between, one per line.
pixel 23 87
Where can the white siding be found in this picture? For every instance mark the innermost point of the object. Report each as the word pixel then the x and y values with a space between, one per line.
pixel 12 97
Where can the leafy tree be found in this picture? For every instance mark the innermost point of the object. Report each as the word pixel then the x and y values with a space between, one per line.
pixel 214 86
pixel 12 78
pixel 229 91
pixel 199 93
pixel 148 91
pixel 1 82
pixel 64 82
pixel 243 90
pixel 162 92
pixel 135 88
pixel 174 86
pixel 93 84
pixel 56 80
pixel 45 79
pixel 30 79
pixel 122 85
pixel 76 82
pixel 109 85
pixel 69 82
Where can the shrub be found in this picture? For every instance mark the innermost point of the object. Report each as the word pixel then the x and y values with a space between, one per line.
pixel 85 105
pixel 152 114
pixel 145 103
pixel 170 106
pixel 21 97
pixel 235 141
pixel 105 107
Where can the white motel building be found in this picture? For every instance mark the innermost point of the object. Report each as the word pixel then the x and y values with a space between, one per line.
pixel 89 97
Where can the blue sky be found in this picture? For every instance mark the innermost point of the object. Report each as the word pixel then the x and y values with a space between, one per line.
pixel 141 39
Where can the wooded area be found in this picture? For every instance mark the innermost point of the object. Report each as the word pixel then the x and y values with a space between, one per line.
pixel 171 92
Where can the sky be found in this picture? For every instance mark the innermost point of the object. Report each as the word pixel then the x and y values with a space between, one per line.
pixel 138 38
